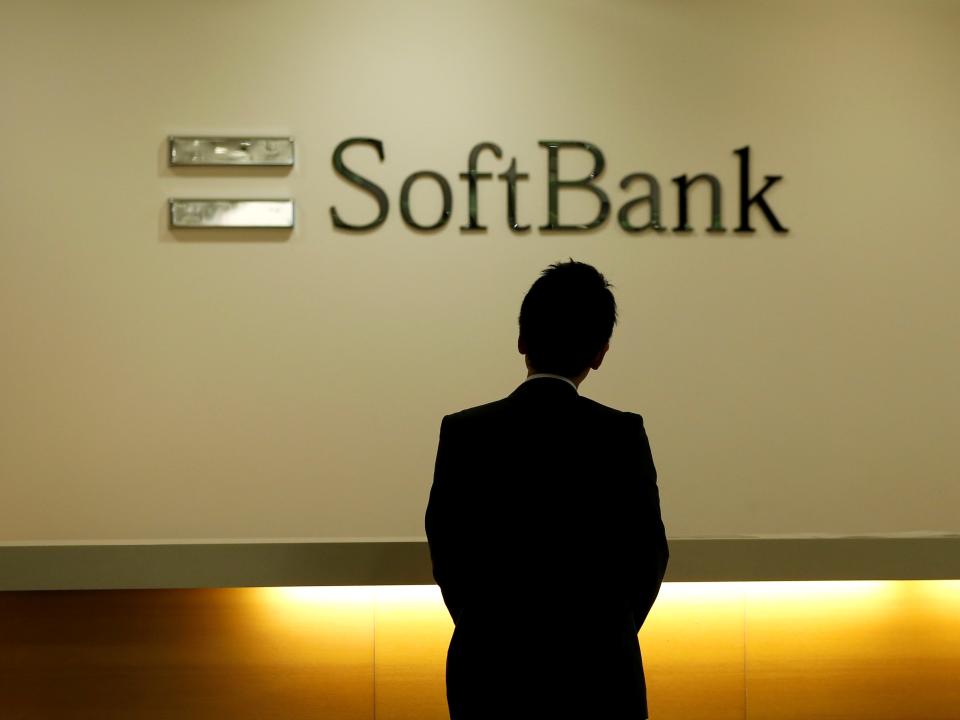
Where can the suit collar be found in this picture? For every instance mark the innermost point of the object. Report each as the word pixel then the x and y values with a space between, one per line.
pixel 546 385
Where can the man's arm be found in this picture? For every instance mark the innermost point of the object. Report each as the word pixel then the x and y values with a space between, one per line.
pixel 443 523
pixel 649 554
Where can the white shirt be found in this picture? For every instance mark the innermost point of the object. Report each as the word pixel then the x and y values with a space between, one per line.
pixel 561 377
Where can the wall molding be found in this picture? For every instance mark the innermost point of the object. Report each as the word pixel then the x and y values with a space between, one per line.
pixel 205 565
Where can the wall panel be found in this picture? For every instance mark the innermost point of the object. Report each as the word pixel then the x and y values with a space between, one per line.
pixel 764 651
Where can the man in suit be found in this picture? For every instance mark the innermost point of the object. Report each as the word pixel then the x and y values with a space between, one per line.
pixel 544 527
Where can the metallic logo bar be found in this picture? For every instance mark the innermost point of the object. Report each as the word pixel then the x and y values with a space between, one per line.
pixel 231 151
pixel 204 213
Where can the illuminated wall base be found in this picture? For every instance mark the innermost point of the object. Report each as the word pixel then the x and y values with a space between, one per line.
pixel 881 650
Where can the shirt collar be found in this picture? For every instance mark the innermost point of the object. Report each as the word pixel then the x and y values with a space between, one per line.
pixel 551 375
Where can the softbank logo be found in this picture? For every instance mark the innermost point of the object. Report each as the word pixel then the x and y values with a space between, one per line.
pixel 640 206
pixel 650 200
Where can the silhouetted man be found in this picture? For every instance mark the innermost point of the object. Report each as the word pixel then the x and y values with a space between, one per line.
pixel 544 527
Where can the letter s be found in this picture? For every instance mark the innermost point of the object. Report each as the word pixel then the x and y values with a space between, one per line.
pixel 361 182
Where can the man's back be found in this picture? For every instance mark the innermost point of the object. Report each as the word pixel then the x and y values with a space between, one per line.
pixel 547 544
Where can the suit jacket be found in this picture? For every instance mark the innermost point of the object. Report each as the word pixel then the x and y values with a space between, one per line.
pixel 547 543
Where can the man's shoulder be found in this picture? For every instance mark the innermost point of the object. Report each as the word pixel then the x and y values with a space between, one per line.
pixel 591 405
pixel 493 409
pixel 505 406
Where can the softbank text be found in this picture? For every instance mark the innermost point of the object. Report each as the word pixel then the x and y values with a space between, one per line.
pixel 648 206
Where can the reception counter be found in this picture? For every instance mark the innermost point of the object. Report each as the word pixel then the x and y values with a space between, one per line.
pixel 744 628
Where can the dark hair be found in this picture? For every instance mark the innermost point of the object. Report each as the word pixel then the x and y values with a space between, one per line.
pixel 566 317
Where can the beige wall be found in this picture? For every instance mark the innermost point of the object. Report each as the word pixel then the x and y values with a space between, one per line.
pixel 172 386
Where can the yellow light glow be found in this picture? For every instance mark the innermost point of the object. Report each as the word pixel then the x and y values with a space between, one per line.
pixel 846 638
pixel 319 594
pixel 694 591
pixel 807 590
pixel 946 592
pixel 823 590
pixel 775 650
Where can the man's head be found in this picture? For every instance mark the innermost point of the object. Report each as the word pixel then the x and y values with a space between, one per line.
pixel 566 320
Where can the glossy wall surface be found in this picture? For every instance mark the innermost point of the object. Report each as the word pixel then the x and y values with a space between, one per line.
pixel 885 650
